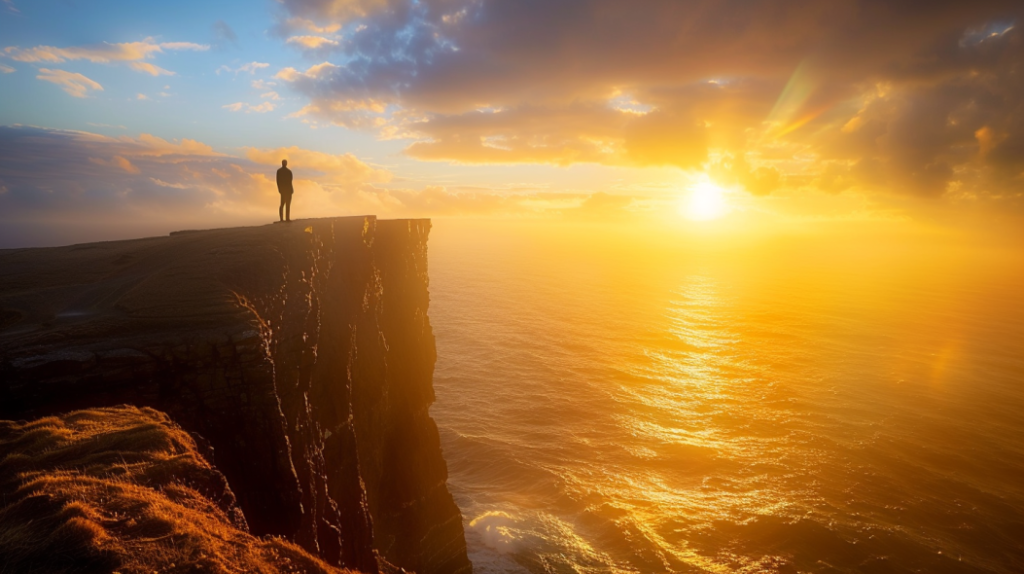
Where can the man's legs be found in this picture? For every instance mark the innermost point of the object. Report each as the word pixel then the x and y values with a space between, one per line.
pixel 286 201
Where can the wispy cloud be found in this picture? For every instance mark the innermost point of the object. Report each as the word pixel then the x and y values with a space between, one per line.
pixel 73 83
pixel 334 168
pixel 117 161
pixel 295 24
pixel 249 108
pixel 150 69
pixel 223 34
pixel 130 53
pixel 337 12
pixel 251 68
pixel 317 71
pixel 314 45
pixel 311 42
pixel 6 69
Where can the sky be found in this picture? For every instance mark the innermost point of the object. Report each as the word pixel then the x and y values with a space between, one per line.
pixel 120 119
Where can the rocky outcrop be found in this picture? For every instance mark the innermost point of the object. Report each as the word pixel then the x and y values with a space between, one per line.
pixel 302 353
pixel 124 489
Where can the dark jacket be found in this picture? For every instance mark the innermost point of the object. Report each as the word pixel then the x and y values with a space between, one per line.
pixel 284 181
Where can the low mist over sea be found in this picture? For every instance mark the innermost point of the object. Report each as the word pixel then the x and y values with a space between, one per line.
pixel 613 401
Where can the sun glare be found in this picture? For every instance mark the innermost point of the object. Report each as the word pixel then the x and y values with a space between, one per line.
pixel 705 202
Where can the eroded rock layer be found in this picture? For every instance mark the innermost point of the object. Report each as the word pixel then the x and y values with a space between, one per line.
pixel 301 352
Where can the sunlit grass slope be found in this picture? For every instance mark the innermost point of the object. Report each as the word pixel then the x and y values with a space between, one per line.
pixel 123 489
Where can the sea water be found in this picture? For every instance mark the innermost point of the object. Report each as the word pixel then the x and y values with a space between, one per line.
pixel 609 403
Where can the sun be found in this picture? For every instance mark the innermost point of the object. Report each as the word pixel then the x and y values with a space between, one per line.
pixel 705 202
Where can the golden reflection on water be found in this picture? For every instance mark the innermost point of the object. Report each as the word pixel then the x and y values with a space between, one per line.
pixel 611 411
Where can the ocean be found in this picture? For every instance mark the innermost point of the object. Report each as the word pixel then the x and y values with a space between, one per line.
pixel 616 401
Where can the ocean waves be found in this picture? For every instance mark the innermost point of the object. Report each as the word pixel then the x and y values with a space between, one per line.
pixel 710 414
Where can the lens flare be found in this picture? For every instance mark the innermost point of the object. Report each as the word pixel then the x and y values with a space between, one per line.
pixel 705 202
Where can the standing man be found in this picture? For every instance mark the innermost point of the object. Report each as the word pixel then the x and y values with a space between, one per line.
pixel 284 187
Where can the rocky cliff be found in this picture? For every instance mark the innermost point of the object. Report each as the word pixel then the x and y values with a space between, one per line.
pixel 301 353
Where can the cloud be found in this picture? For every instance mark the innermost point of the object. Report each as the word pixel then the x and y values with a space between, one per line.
pixel 150 69
pixel 249 108
pixel 322 70
pixel 132 53
pixel 223 34
pixel 311 42
pixel 56 180
pixel 153 146
pixel 74 84
pixel 345 169
pixel 250 68
pixel 561 135
pixel 6 69
pixel 141 97
pixel 56 176
pixel 293 24
pixel 314 45
pixel 116 161
pixel 336 12
pixel 879 96
pixel 100 53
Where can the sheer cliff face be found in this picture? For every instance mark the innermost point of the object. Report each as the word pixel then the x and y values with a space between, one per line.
pixel 302 353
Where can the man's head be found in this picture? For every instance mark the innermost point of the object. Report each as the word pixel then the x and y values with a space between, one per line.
pixel 284 163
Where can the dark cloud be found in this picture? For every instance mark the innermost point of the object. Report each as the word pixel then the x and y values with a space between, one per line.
pixel 50 176
pixel 932 89
pixel 223 35
pixel 58 186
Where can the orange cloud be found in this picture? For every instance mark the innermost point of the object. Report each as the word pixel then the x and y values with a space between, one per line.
pixel 130 52
pixel 337 170
pixel 869 96
pixel 312 42
pixel 318 71
pixel 73 83
pixel 118 162
pixel 249 108
pixel 336 12
pixel 565 135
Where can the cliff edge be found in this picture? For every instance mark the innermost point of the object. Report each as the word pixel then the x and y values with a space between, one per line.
pixel 124 489
pixel 300 353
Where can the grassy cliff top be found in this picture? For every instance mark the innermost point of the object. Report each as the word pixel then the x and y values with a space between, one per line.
pixel 124 489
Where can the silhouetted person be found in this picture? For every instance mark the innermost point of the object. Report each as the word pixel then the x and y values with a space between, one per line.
pixel 284 187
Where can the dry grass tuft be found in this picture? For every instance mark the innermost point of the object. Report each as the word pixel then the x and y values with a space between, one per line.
pixel 125 490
